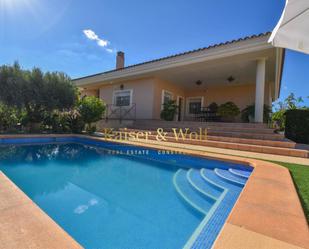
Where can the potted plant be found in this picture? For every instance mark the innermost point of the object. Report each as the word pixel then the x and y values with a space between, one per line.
pixel 169 110
pixel 247 114
pixel 213 107
pixel 228 111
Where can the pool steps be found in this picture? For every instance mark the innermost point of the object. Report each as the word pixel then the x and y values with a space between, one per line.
pixel 227 176
pixel 202 186
pixel 190 195
pixel 238 173
pixel 202 189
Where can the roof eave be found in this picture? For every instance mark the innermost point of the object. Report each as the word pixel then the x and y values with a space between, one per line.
pixel 280 57
pixel 216 52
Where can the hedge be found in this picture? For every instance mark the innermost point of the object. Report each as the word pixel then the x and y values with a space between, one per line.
pixel 297 125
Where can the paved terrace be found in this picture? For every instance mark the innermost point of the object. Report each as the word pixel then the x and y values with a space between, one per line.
pixel 239 153
pixel 268 213
pixel 24 225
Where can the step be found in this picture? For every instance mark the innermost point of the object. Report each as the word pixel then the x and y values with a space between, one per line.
pixel 214 184
pixel 198 124
pixel 240 173
pixel 190 195
pixel 212 129
pixel 239 133
pixel 241 147
pixel 226 175
pixel 203 186
pixel 273 136
pixel 212 176
pixel 273 143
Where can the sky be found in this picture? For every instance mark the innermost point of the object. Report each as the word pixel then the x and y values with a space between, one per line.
pixel 81 37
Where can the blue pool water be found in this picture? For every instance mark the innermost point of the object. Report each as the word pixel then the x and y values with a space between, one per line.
pixel 108 195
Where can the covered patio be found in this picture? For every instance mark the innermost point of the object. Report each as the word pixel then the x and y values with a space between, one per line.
pixel 245 79
pixel 245 71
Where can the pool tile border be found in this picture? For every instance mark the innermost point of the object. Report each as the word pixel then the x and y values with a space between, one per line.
pixel 267 212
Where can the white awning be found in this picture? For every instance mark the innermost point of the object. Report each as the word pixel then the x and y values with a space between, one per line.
pixel 292 30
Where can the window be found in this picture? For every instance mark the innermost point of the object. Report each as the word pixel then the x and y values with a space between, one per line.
pixel 194 105
pixel 123 98
pixel 166 96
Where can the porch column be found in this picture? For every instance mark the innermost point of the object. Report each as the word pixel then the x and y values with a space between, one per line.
pixel 259 90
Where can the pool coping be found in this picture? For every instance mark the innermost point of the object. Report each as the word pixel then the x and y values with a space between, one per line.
pixel 24 225
pixel 267 214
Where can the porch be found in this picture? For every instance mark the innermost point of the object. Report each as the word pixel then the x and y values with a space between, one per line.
pixel 199 89
pixel 245 72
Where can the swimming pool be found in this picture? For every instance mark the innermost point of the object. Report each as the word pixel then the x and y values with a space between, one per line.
pixel 108 195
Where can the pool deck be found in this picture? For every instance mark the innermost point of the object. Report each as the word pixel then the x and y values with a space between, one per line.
pixel 24 225
pixel 268 213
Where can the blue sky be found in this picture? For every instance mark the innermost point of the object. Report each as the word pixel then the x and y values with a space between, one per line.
pixel 81 37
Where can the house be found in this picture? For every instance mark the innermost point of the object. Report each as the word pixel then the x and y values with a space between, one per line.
pixel 245 71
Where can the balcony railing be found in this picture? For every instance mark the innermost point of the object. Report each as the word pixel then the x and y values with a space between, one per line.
pixel 114 112
pixel 204 114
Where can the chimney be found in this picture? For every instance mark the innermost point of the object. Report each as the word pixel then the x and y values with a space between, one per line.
pixel 120 60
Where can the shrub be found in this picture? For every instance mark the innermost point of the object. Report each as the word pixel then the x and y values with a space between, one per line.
pixel 278 120
pixel 213 107
pixel 73 121
pixel 55 121
pixel 249 111
pixel 91 110
pixel 11 118
pixel 291 102
pixel 8 117
pixel 228 111
pixel 169 110
pixel 297 125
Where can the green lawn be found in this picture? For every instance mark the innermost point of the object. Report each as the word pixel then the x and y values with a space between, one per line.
pixel 300 174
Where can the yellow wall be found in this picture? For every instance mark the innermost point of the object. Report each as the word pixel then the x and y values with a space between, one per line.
pixel 242 95
pixel 88 92
pixel 143 95
pixel 161 85
pixel 147 94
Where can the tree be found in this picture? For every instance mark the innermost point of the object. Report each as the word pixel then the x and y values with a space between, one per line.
pixel 59 90
pixel 91 109
pixel 35 91
pixel 12 81
pixel 290 103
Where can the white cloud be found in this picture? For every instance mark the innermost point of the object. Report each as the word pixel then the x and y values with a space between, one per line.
pixel 102 43
pixel 110 50
pixel 91 35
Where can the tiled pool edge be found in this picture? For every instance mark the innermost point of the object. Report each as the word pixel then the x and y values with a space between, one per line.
pixel 197 232
pixel 234 222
